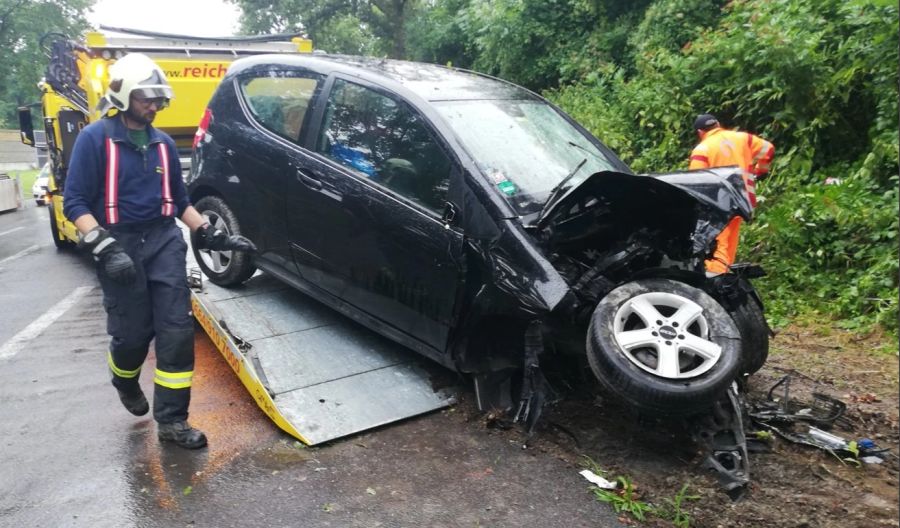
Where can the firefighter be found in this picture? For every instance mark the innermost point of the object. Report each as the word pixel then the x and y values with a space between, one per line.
pixel 123 192
pixel 720 147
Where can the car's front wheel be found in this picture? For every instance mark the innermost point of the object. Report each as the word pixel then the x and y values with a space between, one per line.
pixel 225 268
pixel 663 346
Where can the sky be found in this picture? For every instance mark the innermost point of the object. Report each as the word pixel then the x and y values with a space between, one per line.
pixel 201 18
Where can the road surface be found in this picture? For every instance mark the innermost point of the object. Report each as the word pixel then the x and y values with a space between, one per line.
pixel 72 456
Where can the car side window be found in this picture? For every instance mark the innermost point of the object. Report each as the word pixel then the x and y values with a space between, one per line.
pixel 280 101
pixel 386 141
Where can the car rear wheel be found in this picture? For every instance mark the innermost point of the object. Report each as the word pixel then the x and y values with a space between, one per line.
pixel 225 268
pixel 663 346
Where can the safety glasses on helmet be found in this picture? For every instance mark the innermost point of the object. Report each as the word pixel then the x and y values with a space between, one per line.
pixel 160 102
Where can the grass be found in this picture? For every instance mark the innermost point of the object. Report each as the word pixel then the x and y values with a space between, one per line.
pixel 26 180
pixel 625 499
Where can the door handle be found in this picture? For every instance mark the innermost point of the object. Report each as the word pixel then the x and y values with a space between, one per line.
pixel 307 178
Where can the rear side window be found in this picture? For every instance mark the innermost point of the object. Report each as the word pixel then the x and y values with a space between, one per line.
pixel 280 101
pixel 387 141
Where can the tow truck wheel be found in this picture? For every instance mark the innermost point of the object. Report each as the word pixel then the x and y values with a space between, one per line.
pixel 225 268
pixel 54 229
pixel 663 346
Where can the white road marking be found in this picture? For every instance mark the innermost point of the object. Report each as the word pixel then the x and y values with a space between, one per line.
pixel 18 341
pixel 20 254
pixel 8 231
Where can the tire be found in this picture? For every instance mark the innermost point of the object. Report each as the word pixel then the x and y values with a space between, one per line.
pixel 60 243
pixel 754 330
pixel 225 268
pixel 702 339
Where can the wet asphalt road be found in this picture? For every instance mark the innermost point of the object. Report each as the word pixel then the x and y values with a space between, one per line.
pixel 70 455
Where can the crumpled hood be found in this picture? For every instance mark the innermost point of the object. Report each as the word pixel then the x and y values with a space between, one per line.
pixel 722 188
pixel 715 195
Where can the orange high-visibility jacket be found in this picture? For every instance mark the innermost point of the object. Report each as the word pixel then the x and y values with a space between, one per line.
pixel 721 147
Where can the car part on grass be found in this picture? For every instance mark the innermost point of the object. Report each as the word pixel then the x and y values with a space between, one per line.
pixel 782 415
pixel 823 411
pixel 721 432
pixel 663 346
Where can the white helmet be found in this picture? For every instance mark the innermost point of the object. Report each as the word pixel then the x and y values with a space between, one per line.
pixel 137 74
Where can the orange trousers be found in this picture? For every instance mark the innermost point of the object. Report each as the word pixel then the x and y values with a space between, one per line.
pixel 726 247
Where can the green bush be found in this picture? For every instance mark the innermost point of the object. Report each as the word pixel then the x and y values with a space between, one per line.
pixel 829 249
pixel 819 79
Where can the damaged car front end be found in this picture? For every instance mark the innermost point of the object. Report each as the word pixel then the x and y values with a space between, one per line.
pixel 617 277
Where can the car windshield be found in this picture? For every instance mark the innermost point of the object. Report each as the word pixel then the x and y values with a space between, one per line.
pixel 524 148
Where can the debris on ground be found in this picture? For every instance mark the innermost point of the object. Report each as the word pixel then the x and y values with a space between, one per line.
pixel 597 480
pixel 796 485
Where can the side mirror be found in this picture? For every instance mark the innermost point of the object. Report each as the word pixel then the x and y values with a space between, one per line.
pixel 26 128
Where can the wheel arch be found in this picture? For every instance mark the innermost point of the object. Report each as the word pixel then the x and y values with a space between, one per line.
pixel 202 191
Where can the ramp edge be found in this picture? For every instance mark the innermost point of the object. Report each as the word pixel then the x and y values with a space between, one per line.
pixel 243 367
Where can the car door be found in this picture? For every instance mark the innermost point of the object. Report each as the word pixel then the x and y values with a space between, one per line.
pixel 382 178
pixel 277 104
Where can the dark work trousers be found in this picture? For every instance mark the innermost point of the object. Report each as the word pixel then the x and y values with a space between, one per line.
pixel 157 305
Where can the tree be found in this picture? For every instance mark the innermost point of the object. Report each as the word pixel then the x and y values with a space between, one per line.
pixel 343 26
pixel 22 23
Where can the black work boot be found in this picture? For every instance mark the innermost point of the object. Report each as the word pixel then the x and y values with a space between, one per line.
pixel 182 434
pixel 135 402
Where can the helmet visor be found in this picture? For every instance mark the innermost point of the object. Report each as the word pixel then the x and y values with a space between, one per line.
pixel 152 92
pixel 153 87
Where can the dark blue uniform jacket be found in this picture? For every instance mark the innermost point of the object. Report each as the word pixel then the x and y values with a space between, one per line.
pixel 139 179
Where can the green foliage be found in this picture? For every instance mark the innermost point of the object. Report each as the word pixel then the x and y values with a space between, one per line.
pixel 818 78
pixel 22 23
pixel 830 249
pixel 674 511
pixel 623 499
pixel 526 41
pixel 672 24
pixel 436 35
pixel 373 27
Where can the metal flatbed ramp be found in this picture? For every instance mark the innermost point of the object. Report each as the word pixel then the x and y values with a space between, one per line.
pixel 317 374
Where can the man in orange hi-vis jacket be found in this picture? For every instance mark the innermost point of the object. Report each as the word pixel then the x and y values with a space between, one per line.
pixel 720 147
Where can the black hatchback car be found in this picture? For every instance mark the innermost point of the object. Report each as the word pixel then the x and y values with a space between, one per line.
pixel 471 220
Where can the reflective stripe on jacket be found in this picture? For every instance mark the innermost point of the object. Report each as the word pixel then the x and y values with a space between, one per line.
pixel 139 193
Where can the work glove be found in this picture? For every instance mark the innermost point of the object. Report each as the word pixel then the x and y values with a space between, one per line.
pixel 110 256
pixel 214 239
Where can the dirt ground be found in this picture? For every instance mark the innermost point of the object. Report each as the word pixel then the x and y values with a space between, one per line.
pixel 793 485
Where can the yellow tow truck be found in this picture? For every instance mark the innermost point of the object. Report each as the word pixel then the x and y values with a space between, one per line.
pixel 76 78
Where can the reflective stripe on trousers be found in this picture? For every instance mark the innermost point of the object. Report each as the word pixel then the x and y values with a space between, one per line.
pixel 173 380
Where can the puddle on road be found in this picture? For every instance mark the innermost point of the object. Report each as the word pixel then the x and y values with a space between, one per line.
pixel 163 475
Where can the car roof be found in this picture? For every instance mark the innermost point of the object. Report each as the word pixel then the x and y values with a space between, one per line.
pixel 428 81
